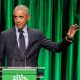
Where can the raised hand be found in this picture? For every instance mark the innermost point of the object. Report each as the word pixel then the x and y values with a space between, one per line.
pixel 72 30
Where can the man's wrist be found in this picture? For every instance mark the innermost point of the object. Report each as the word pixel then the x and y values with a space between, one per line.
pixel 68 38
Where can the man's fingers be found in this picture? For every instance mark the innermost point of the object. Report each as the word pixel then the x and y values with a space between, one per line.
pixel 74 27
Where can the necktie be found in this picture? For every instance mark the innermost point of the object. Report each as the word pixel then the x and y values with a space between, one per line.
pixel 21 42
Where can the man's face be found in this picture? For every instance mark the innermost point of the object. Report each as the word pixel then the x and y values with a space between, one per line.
pixel 20 18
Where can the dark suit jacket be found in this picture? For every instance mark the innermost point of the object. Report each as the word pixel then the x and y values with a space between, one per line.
pixel 9 47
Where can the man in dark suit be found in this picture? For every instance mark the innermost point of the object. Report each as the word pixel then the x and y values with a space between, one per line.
pixel 21 45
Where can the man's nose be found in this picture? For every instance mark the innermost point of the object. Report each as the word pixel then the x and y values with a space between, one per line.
pixel 18 20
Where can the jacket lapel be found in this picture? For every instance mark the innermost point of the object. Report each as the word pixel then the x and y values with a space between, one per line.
pixel 14 41
pixel 29 43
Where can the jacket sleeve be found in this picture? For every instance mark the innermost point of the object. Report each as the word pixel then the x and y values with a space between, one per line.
pixel 1 48
pixel 54 46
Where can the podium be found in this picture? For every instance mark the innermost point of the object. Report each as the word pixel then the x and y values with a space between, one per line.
pixel 20 73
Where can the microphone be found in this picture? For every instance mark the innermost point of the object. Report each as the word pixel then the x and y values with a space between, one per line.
pixel 13 61
pixel 25 62
pixel 14 56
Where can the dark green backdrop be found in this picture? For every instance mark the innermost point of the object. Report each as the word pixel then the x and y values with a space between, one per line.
pixel 53 18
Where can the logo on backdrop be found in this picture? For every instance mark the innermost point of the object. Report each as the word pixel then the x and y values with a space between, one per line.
pixel 19 77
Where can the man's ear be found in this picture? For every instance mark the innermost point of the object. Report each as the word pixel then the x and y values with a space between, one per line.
pixel 28 17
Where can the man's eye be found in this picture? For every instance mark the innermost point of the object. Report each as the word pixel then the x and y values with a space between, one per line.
pixel 21 16
pixel 15 16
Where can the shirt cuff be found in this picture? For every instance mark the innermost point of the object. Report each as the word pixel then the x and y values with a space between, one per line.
pixel 69 39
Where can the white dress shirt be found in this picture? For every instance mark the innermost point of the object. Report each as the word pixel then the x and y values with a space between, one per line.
pixel 25 36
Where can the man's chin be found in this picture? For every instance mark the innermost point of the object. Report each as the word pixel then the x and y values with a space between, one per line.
pixel 20 27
